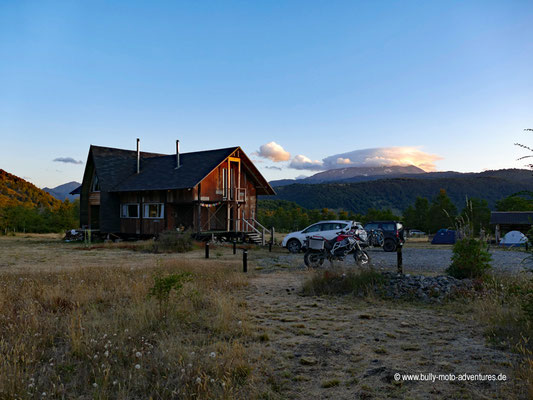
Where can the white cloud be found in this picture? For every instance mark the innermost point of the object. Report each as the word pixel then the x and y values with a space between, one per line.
pixel 274 152
pixel 302 162
pixel 383 156
pixel 341 161
pixel 68 160
pixel 373 157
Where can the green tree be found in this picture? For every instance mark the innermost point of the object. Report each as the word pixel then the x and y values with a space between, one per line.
pixel 417 216
pixel 514 203
pixel 343 215
pixel 380 215
pixel 328 214
pixel 442 212
pixel 477 212
pixel 314 216
pixel 470 259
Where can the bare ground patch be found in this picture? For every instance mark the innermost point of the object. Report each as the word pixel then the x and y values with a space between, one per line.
pixel 345 348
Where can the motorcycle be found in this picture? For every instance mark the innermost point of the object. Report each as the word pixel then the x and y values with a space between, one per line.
pixel 351 242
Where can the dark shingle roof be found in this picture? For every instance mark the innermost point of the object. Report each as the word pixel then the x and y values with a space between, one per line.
pixel 511 218
pixel 159 173
pixel 113 166
pixel 116 169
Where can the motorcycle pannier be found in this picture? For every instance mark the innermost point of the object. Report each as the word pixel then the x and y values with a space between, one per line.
pixel 316 244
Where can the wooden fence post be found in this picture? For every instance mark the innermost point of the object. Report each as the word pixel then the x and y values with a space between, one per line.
pixel 399 258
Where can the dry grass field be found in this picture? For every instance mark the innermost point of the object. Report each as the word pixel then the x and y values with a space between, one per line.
pixel 79 323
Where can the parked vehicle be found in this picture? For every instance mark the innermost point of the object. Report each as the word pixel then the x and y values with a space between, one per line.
pixel 416 233
pixel 336 249
pixel 296 241
pixel 375 238
pixel 393 233
pixel 444 236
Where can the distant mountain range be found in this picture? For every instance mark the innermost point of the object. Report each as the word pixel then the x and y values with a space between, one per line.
pixel 61 192
pixel 358 193
pixel 15 191
pixel 354 174
pixel 365 174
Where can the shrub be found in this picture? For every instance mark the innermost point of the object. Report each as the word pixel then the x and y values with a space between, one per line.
pixel 338 283
pixel 172 241
pixel 470 259
pixel 163 285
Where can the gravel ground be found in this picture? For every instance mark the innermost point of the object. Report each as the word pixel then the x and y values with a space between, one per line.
pixel 415 260
pixel 437 260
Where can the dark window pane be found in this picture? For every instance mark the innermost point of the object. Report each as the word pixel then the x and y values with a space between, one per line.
pixel 132 211
pixel 314 228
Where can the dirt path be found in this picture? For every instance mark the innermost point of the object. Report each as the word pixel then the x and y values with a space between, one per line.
pixel 346 348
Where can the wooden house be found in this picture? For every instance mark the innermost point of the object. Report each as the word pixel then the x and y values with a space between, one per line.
pixel 134 193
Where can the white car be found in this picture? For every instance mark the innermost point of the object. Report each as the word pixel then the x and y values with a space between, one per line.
pixel 295 241
pixel 416 232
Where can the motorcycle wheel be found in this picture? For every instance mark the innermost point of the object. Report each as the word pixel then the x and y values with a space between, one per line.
pixel 313 260
pixel 361 258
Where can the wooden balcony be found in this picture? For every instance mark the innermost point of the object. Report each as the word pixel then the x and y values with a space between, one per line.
pixel 236 194
pixel 94 198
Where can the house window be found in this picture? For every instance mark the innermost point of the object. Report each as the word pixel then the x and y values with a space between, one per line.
pixel 95 185
pixel 154 210
pixel 130 210
pixel 232 183
pixel 225 183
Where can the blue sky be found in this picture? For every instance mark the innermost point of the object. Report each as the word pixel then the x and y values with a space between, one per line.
pixel 452 79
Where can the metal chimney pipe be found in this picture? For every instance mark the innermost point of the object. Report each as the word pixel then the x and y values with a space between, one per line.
pixel 177 154
pixel 138 155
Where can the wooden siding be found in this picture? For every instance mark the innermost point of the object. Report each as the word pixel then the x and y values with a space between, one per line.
pixel 109 212
pixel 181 196
pixel 141 225
pixel 84 193
pixel 94 198
pixel 181 207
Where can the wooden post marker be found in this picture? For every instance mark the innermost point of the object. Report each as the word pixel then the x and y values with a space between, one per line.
pixel 245 261
pixel 234 247
pixel 399 258
pixel 207 250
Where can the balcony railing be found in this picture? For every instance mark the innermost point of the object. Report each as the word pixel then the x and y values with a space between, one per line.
pixel 236 194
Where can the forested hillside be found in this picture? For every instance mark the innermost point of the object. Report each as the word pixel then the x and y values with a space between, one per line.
pixel 17 191
pixel 26 208
pixel 511 174
pixel 398 194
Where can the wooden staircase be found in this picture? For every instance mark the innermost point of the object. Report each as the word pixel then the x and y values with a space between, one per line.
pixel 255 232
pixel 254 237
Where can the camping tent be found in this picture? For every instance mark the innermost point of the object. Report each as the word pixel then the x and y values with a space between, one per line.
pixel 444 236
pixel 514 238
